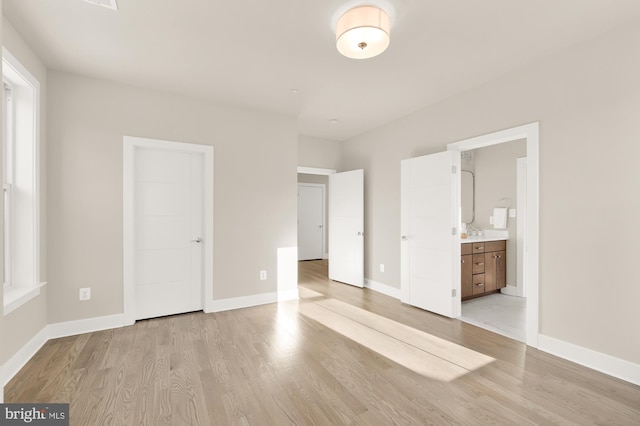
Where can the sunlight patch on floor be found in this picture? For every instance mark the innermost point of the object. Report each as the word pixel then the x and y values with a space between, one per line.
pixel 416 350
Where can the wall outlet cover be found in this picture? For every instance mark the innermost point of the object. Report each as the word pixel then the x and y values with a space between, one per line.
pixel 263 275
pixel 84 293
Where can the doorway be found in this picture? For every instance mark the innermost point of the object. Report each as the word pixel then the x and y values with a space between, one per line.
pixel 494 182
pixel 529 245
pixel 317 176
pixel 345 227
pixel 168 227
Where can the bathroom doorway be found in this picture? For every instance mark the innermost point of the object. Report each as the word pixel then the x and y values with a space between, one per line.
pixel 508 312
pixel 493 181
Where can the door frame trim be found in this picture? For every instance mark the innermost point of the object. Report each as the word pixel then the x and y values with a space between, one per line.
pixel 130 145
pixel 315 171
pixel 530 132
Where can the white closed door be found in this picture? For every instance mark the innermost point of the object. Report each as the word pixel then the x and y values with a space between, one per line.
pixel 168 232
pixel 429 220
pixel 310 221
pixel 346 227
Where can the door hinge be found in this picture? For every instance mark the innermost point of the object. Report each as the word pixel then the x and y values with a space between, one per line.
pixel 453 292
pixel 453 170
pixel 454 231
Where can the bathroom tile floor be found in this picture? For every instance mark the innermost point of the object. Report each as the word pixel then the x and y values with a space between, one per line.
pixel 499 313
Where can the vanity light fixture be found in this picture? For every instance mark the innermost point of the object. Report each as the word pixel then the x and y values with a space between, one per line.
pixel 363 32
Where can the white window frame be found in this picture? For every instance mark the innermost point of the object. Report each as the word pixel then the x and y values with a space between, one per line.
pixel 23 239
pixel 7 170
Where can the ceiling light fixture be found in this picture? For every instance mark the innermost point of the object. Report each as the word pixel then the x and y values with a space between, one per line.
pixel 363 32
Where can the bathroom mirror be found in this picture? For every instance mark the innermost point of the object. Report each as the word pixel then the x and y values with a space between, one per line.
pixel 468 196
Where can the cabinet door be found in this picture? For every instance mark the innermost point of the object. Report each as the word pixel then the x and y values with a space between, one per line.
pixel 466 275
pixel 501 269
pixel 490 262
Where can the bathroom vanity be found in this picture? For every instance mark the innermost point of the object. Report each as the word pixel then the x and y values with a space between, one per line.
pixel 483 266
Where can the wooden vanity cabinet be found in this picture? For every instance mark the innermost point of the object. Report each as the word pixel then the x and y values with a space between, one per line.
pixel 483 268
pixel 466 276
pixel 495 274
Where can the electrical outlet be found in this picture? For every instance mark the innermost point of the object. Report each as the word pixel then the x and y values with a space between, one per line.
pixel 512 212
pixel 85 293
pixel 263 275
pixel 382 267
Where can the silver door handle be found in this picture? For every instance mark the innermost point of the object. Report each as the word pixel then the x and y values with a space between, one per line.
pixel 404 238
pixel 360 234
pixel 197 240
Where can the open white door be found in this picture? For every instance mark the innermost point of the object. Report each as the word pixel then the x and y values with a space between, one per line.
pixel 429 221
pixel 346 227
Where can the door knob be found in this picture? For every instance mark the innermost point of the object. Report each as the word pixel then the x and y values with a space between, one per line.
pixel 404 238
pixel 197 240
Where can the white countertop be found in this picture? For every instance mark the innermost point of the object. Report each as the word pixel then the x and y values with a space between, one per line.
pixel 488 235
pixel 481 239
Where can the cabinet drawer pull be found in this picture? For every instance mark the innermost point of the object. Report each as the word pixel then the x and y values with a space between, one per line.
pixel 462 261
pixel 479 263
pixel 480 248
pixel 479 284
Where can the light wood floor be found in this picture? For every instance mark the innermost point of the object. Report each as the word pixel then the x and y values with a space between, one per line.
pixel 274 365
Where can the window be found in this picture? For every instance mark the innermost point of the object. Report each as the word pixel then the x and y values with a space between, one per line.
pixel 20 134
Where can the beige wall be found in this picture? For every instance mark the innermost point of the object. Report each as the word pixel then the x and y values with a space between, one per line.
pixel 495 171
pixel 26 321
pixel 254 190
pixel 306 178
pixel 320 153
pixel 587 101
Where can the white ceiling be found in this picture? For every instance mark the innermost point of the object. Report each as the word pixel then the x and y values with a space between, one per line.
pixel 253 52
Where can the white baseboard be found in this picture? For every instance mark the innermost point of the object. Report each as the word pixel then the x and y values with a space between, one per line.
pixel 598 361
pixel 242 302
pixel 510 290
pixel 53 331
pixel 20 358
pixel 249 301
pixel 382 288
pixel 88 325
